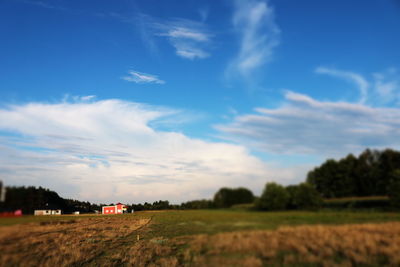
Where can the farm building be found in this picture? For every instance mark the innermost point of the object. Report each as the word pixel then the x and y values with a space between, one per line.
pixel 116 209
pixel 47 212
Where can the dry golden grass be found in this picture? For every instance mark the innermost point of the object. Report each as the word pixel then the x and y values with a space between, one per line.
pixel 346 245
pixel 62 243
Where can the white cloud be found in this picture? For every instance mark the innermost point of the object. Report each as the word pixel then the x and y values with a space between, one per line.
pixel 361 83
pixel 186 33
pixel 107 151
pixel 254 20
pixel 87 97
pixel 304 125
pixel 140 77
pixel 190 52
pixel 189 38
pixel 382 88
pixel 78 98
pixel 387 86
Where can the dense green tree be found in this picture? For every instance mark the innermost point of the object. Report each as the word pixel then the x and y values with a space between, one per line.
pixel 389 162
pixel 394 188
pixel 243 195
pixel 292 191
pixel 223 198
pixel 198 204
pixel 367 175
pixel 161 205
pixel 226 197
pixel 136 207
pixel 274 197
pixel 303 197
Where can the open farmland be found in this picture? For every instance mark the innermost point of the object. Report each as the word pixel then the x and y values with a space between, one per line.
pixel 203 238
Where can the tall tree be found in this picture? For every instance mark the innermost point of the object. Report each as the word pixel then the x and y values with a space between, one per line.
pixel 303 196
pixel 226 197
pixel 274 197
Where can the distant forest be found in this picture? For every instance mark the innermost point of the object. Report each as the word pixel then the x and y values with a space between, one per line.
pixel 369 174
pixel 31 198
pixel 372 173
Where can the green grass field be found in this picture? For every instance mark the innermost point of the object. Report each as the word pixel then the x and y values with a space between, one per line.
pixel 188 222
pixel 178 223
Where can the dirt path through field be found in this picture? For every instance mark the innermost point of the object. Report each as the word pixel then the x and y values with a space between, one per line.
pixel 111 255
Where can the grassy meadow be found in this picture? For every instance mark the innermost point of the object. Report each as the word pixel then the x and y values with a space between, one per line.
pixel 203 238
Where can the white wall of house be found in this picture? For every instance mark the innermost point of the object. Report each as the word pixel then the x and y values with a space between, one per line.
pixel 47 212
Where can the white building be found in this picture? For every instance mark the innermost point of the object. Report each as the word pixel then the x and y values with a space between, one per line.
pixel 47 212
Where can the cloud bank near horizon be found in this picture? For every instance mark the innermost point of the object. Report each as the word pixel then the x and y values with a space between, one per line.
pixel 106 151
pixel 111 150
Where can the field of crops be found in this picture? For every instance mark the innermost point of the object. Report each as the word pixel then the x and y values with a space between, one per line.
pixel 203 238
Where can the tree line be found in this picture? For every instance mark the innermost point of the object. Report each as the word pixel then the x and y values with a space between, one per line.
pixel 274 197
pixel 369 174
pixel 31 198
pixel 372 173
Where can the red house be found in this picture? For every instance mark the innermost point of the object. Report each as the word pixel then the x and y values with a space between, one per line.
pixel 116 209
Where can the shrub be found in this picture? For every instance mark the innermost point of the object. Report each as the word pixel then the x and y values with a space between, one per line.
pixel 304 196
pixel 274 197
pixel 226 197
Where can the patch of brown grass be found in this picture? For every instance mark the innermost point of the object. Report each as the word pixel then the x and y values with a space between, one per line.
pixel 325 245
pixel 345 245
pixel 62 243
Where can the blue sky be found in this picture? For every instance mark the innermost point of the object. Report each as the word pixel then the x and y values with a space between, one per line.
pixel 145 100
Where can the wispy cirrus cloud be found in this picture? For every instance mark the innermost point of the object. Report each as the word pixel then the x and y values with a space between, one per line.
pixel 387 86
pixel 105 149
pixel 78 98
pixel 140 77
pixel 190 39
pixel 87 97
pixel 303 125
pixel 381 89
pixel 254 21
pixel 361 83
